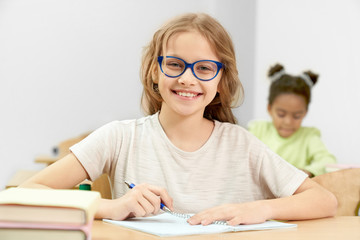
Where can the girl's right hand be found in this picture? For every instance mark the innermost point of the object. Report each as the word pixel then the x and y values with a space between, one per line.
pixel 142 200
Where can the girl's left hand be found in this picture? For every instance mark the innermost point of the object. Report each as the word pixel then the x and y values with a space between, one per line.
pixel 234 214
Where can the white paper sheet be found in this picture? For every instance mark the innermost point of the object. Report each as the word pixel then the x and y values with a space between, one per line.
pixel 168 225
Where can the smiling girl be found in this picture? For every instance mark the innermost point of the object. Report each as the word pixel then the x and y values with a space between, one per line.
pixel 188 152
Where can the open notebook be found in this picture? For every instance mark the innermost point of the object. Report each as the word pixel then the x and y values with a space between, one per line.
pixel 168 225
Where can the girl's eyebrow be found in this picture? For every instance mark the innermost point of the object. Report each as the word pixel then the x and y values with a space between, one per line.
pixel 299 112
pixel 282 110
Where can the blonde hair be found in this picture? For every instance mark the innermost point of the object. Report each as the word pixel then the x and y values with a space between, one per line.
pixel 230 88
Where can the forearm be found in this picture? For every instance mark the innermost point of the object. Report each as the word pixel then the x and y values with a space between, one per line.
pixel 104 210
pixel 63 174
pixel 312 203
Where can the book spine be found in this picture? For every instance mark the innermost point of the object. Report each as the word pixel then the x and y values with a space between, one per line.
pixel 86 228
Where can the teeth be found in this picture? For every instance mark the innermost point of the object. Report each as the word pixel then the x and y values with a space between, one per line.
pixel 184 94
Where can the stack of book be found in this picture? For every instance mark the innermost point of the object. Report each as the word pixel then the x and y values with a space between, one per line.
pixel 47 213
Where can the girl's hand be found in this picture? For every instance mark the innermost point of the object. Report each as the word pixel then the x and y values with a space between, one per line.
pixel 234 214
pixel 140 201
pixel 308 173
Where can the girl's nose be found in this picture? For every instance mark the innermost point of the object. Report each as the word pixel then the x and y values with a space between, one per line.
pixel 187 78
pixel 288 120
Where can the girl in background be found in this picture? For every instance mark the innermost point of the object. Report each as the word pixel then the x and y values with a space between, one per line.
pixel 188 152
pixel 289 99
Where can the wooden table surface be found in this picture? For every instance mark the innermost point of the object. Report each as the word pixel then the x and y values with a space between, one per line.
pixel 342 227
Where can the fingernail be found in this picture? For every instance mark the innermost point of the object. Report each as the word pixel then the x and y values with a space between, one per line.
pixel 204 222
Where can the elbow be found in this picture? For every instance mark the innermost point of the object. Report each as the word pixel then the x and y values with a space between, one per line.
pixel 332 204
pixel 27 184
pixel 30 184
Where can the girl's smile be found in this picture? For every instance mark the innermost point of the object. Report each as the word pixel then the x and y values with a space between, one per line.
pixel 186 95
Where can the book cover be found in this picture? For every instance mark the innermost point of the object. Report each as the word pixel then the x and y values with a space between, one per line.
pixel 41 234
pixel 36 231
pixel 48 206
pixel 168 225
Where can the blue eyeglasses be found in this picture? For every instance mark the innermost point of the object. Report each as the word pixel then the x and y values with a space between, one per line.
pixel 204 70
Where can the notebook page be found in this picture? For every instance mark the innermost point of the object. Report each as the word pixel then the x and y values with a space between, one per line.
pixel 168 225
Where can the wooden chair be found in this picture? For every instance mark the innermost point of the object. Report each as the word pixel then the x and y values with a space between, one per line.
pixel 103 185
pixel 19 177
pixel 345 185
pixel 62 148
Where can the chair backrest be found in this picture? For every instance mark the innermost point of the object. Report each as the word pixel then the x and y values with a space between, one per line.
pixel 103 185
pixel 63 147
pixel 345 185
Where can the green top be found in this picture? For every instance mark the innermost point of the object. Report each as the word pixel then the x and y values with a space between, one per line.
pixel 304 149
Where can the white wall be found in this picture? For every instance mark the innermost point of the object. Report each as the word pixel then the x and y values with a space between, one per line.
pixel 70 66
pixel 322 36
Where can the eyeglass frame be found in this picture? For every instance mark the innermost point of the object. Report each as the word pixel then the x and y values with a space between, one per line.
pixel 191 66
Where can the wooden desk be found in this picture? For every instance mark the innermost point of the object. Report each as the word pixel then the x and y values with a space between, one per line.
pixel 19 177
pixel 46 159
pixel 343 228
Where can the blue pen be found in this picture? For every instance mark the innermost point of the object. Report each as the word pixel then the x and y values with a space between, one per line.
pixel 162 206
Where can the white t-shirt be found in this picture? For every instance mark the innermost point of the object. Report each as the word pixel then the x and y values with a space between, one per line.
pixel 233 166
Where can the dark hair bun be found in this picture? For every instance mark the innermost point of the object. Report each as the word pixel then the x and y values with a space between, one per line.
pixel 313 76
pixel 275 69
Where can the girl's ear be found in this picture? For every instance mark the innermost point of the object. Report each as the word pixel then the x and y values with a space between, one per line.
pixel 155 76
pixel 220 85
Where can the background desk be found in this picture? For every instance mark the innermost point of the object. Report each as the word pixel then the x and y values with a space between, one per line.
pixel 343 228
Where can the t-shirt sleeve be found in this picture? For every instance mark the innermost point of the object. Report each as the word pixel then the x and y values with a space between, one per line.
pixel 278 176
pixel 98 151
